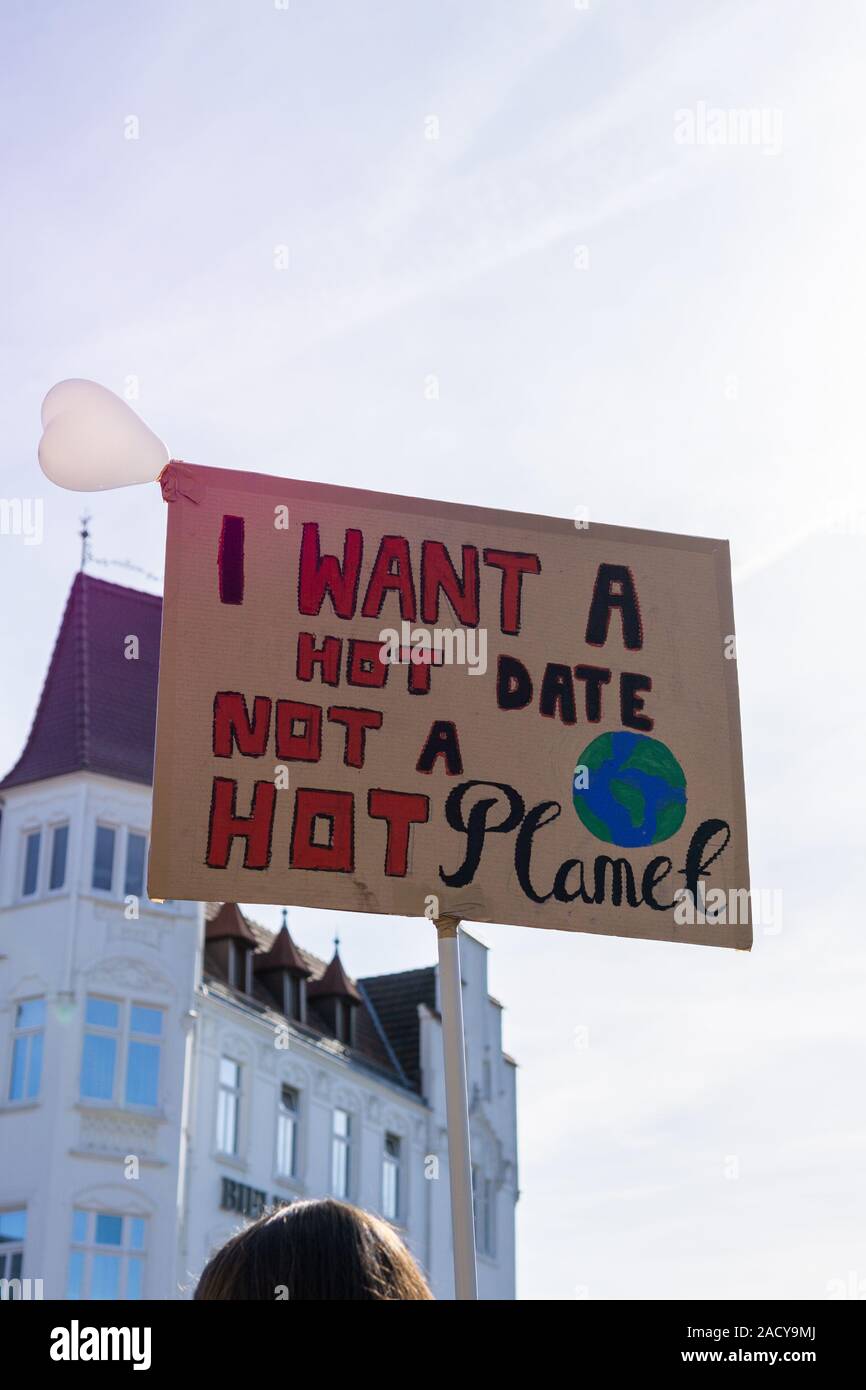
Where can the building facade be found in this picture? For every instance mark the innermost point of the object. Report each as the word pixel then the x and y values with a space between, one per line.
pixel 168 1070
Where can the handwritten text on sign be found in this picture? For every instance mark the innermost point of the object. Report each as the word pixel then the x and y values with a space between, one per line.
pixel 376 703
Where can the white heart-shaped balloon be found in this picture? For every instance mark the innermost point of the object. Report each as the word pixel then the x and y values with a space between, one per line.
pixel 91 440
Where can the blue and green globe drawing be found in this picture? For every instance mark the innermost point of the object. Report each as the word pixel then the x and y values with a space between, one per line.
pixel 629 790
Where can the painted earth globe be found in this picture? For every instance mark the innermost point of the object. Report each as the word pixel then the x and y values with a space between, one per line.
pixel 629 789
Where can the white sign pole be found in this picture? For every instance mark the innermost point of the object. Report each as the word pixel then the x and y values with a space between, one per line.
pixel 457 1110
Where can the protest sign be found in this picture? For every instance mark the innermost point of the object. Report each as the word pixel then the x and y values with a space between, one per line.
pixel 391 705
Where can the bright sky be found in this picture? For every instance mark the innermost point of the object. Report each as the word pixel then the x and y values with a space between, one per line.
pixel 668 334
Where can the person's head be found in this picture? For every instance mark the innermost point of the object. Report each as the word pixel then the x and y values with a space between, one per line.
pixel 314 1250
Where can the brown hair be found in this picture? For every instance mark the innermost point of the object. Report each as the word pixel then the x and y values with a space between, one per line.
pixel 314 1250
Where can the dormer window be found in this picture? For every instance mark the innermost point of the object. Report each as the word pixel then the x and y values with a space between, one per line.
pixel 295 996
pixel 229 948
pixel 240 963
pixel 336 998
pixel 344 1022
pixel 283 972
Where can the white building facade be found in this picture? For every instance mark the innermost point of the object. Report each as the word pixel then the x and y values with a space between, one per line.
pixel 169 1070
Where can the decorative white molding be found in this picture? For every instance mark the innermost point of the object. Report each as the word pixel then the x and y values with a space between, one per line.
pixel 322 1085
pixel 28 986
pixel 293 1075
pixel 127 972
pixel 127 1196
pixel 110 810
pixel 235 1045
pixel 141 932
pixel 119 1134
pixel 395 1123
pixel 347 1099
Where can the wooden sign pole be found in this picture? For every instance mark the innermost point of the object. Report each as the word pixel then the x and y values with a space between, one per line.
pixel 457 1110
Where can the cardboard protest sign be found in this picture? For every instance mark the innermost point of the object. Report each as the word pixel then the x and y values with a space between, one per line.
pixel 391 705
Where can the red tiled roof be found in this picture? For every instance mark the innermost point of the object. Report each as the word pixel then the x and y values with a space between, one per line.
pixel 335 982
pixel 229 921
pixel 282 955
pixel 97 711
pixel 372 1041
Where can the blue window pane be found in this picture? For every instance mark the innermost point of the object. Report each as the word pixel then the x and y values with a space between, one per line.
pixel 59 844
pixel 134 1274
pixel 136 846
pixel 79 1226
pixel 13 1225
pixel 103 858
pixel 109 1229
pixel 31 1014
pixel 97 1067
pixel 136 1237
pixel 105 1277
pixel 34 1078
pixel 19 1069
pixel 142 1074
pixel 31 864
pixel 75 1282
pixel 146 1020
pixel 102 1013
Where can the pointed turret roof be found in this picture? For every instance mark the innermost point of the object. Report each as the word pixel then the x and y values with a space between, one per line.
pixel 97 710
pixel 283 954
pixel 229 921
pixel 335 983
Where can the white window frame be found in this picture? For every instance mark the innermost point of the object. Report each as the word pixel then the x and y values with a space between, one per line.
pixel 28 1033
pixel 291 1120
pixel 27 832
pixel 126 1252
pixel 392 1170
pixel 124 1034
pixel 51 830
pixel 10 1249
pixel 46 831
pixel 117 892
pixel 343 1145
pixel 154 1040
pixel 129 830
pixel 235 1093
pixel 111 890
